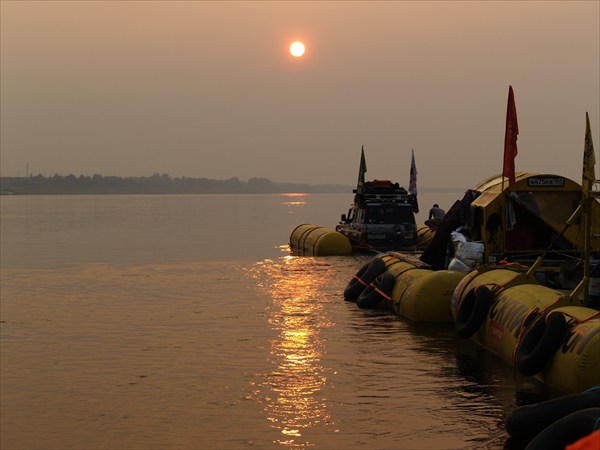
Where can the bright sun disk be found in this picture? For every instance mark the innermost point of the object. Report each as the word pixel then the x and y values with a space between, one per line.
pixel 297 49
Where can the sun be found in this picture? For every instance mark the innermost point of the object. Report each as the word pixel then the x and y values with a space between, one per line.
pixel 297 49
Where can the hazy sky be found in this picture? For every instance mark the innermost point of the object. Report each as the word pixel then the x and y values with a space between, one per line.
pixel 209 89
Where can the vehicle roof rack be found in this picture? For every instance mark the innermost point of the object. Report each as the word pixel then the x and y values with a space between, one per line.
pixel 378 191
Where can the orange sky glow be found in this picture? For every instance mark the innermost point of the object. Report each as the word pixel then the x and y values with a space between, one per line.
pixel 209 89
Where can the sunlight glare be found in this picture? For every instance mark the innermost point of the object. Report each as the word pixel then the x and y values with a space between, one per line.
pixel 297 49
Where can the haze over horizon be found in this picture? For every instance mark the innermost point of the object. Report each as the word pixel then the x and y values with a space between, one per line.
pixel 209 89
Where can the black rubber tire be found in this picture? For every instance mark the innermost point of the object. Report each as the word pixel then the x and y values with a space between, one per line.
pixel 566 430
pixel 370 298
pixel 527 421
pixel 367 274
pixel 540 342
pixel 472 311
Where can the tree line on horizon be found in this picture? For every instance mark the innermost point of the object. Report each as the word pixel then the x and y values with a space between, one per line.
pixel 154 184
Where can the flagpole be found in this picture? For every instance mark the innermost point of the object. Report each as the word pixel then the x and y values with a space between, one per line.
pixel 589 176
pixel 587 197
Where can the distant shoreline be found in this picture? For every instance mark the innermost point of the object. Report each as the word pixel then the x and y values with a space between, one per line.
pixel 163 184
pixel 155 184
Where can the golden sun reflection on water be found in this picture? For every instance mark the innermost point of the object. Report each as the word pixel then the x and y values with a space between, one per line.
pixel 294 199
pixel 291 393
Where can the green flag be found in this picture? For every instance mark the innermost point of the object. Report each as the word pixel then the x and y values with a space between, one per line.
pixel 361 171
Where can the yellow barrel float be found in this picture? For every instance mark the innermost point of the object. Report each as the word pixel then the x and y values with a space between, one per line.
pixel 495 276
pixel 311 240
pixel 391 260
pixel 402 267
pixel 411 289
pixel 513 301
pixel 397 266
pixel 562 348
pixel 424 236
pixel 507 313
pixel 428 298
pixel 362 279
pixel 381 287
pixel 380 290
pixel 406 273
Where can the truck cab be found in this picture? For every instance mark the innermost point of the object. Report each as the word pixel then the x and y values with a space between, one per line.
pixel 381 218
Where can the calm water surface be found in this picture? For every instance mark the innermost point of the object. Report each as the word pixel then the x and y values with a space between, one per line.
pixel 181 322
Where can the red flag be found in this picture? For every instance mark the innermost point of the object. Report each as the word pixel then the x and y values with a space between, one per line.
pixel 510 138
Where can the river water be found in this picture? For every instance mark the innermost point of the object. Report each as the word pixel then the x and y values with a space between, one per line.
pixel 182 322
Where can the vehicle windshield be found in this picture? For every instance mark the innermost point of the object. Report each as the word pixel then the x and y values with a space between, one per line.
pixel 389 214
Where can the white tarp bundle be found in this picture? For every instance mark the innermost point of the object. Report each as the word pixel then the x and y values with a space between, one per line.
pixel 467 254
